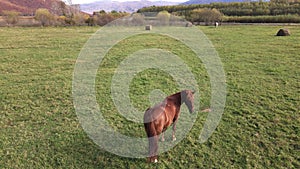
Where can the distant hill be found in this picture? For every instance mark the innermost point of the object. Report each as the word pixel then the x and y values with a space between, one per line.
pixel 26 7
pixel 191 2
pixel 129 6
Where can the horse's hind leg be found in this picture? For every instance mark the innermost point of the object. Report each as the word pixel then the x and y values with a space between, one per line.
pixel 153 148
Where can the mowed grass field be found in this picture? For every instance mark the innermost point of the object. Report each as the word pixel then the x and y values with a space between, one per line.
pixel 260 127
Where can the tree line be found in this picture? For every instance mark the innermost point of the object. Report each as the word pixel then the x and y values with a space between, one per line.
pixel 256 8
pixel 63 16
pixel 234 11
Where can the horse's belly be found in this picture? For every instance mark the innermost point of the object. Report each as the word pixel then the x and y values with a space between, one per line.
pixel 167 124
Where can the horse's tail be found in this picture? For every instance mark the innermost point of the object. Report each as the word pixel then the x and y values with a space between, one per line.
pixel 147 124
pixel 147 127
pixel 150 129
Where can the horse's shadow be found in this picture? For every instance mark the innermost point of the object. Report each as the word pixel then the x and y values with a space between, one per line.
pixel 84 152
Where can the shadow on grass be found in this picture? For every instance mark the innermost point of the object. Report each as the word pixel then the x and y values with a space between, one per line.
pixel 83 153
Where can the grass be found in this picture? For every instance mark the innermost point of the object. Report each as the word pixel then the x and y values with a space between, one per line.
pixel 259 127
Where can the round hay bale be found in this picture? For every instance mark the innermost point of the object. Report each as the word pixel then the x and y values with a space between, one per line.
pixel 283 32
pixel 148 27
pixel 188 24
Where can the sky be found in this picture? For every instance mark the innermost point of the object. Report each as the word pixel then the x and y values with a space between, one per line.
pixel 89 1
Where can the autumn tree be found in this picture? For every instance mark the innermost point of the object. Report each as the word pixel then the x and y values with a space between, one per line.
pixel 11 17
pixel 80 19
pixel 102 18
pixel 44 16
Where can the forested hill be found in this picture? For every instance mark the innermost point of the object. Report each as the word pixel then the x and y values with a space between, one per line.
pixel 235 8
pixel 191 2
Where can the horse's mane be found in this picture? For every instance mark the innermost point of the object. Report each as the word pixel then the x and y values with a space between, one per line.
pixel 176 95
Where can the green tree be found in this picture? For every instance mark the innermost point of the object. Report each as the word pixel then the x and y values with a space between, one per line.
pixel 11 17
pixel 44 16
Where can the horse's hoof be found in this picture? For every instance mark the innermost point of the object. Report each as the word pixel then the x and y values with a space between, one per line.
pixel 174 139
pixel 155 161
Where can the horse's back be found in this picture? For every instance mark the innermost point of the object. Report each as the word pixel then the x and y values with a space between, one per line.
pixel 153 113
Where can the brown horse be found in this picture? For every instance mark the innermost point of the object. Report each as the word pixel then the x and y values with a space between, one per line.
pixel 158 118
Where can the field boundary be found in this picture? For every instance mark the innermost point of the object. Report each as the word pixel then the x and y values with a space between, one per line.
pixel 23 21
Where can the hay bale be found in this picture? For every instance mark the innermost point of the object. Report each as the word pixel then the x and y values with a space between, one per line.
pixel 148 27
pixel 188 24
pixel 283 32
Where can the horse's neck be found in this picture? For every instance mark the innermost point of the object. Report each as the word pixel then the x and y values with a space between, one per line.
pixel 175 99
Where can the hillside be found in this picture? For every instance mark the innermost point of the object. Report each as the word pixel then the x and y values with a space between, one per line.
pixel 191 2
pixel 129 6
pixel 26 7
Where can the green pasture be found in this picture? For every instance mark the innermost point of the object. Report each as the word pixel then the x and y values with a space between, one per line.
pixel 260 127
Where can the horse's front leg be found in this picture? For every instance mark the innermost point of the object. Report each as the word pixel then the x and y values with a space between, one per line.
pixel 173 133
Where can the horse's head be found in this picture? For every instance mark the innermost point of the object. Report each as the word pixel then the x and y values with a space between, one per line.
pixel 187 97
